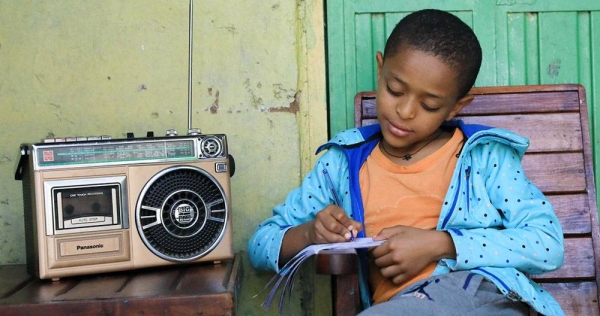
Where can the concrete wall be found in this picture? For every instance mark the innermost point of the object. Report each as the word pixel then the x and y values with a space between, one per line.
pixel 108 67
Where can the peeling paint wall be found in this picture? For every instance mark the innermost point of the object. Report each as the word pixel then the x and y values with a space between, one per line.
pixel 108 67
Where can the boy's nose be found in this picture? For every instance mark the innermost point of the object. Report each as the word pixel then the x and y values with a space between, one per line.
pixel 406 108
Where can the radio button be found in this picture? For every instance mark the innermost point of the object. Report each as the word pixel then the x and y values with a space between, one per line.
pixel 91 219
pixel 220 167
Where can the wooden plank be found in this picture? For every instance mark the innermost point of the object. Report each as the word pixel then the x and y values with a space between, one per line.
pixel 38 292
pixel 14 277
pixel 149 284
pixel 576 298
pixel 199 289
pixel 556 173
pixel 197 280
pixel 578 264
pixel 565 134
pixel 523 103
pixel 99 287
pixel 573 211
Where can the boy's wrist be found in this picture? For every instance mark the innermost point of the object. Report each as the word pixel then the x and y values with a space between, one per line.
pixel 446 248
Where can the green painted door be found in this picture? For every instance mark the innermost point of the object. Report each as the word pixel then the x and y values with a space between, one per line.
pixel 523 42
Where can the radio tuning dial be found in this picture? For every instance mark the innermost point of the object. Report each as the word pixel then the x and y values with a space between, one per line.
pixel 171 132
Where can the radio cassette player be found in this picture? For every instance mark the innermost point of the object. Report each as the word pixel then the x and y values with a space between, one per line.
pixel 98 204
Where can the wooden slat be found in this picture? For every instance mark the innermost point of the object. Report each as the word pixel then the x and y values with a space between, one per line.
pixel 14 277
pixel 562 131
pixel 197 280
pixel 97 287
pixel 369 122
pixel 147 284
pixel 39 291
pixel 198 289
pixel 494 100
pixel 577 298
pixel 573 211
pixel 556 172
pixel 120 285
pixel 578 263
pixel 540 102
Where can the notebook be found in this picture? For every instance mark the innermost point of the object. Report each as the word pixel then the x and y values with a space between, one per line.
pixel 288 271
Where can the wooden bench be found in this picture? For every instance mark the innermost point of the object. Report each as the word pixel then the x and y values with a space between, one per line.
pixel 195 289
pixel 559 162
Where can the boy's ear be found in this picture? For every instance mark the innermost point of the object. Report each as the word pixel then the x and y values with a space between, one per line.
pixel 460 104
pixel 379 58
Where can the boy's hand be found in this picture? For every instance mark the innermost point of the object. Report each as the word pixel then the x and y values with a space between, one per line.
pixel 409 250
pixel 332 225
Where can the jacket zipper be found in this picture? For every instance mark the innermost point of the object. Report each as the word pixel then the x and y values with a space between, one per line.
pixel 510 293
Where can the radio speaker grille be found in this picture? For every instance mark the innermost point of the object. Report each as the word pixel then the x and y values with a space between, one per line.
pixel 182 213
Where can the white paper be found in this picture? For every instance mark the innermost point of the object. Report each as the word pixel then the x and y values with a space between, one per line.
pixel 288 271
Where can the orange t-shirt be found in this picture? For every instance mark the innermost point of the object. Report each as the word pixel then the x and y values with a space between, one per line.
pixel 405 195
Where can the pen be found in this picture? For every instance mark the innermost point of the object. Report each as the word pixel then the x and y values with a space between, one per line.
pixel 336 198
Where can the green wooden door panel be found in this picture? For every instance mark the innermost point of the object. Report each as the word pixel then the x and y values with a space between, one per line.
pixel 358 29
pixel 547 44
pixel 523 42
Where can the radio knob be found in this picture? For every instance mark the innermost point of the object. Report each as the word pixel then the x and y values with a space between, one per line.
pixel 171 132
pixel 194 131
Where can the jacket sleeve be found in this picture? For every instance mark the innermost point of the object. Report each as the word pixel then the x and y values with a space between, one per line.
pixel 517 226
pixel 301 205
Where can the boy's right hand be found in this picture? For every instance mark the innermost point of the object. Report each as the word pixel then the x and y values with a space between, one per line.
pixel 332 225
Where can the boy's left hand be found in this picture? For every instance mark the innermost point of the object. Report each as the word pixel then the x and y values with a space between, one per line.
pixel 409 250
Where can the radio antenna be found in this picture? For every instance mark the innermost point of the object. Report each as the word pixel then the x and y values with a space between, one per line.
pixel 191 49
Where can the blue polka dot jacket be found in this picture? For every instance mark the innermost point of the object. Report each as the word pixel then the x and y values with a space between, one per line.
pixel 502 226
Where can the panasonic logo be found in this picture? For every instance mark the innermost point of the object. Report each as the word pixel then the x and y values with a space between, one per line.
pixel 85 247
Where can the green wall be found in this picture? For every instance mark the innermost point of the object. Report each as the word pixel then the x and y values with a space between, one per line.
pixel 108 67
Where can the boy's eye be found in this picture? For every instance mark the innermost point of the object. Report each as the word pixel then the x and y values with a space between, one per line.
pixel 428 108
pixel 399 94
pixel 392 92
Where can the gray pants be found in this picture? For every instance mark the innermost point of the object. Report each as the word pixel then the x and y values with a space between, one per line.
pixel 456 293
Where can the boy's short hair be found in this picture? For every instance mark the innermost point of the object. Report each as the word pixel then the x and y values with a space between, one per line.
pixel 443 35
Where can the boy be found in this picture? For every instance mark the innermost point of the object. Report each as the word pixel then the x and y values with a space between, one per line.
pixel 461 222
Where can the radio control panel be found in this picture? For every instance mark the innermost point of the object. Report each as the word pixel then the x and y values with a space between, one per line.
pixel 73 152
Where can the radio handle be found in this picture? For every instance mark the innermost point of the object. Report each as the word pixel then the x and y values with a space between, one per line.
pixel 231 165
pixel 22 162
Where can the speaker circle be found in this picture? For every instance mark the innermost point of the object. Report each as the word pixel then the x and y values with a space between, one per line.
pixel 181 214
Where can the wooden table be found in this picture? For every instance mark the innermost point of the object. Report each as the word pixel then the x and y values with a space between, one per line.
pixel 198 289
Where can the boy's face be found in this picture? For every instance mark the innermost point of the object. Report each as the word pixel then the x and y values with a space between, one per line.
pixel 416 93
